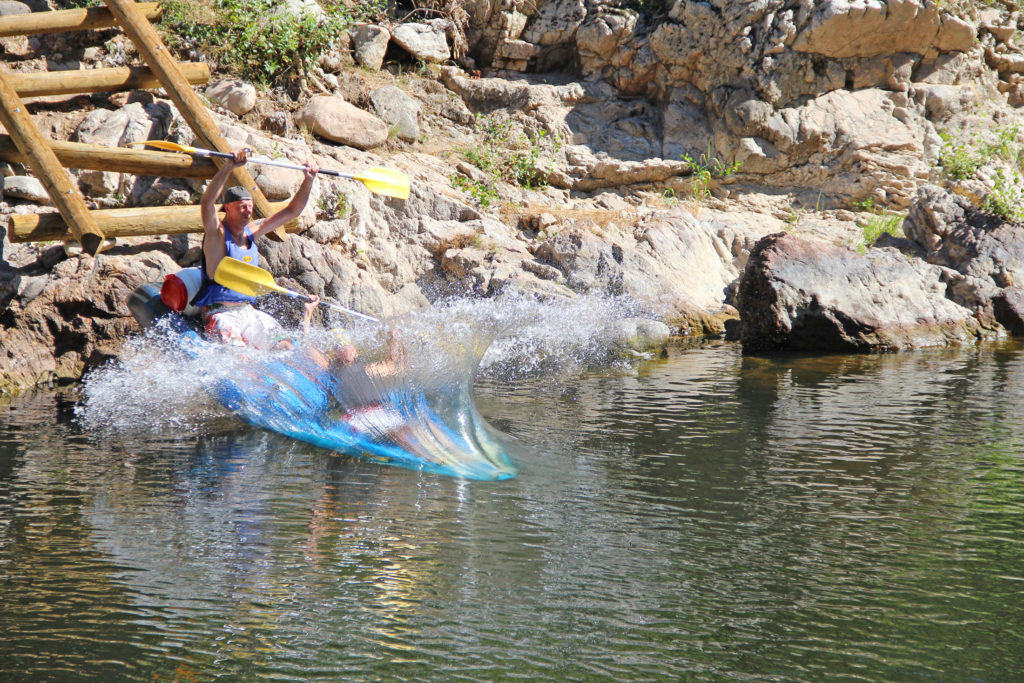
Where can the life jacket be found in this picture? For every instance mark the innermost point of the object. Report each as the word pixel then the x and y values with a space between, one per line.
pixel 211 292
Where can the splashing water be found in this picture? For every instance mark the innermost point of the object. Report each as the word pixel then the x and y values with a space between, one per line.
pixel 399 393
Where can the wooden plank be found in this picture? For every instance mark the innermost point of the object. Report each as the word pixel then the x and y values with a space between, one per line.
pixel 134 222
pixel 36 23
pixel 119 159
pixel 192 109
pixel 69 82
pixel 47 168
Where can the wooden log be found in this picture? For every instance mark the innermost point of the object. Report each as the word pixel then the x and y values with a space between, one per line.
pixel 135 222
pixel 192 109
pixel 68 20
pixel 114 79
pixel 118 159
pixel 47 168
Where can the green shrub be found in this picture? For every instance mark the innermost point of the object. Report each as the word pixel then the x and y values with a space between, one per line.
pixel 959 161
pixel 961 156
pixel 483 193
pixel 249 38
pixel 1006 199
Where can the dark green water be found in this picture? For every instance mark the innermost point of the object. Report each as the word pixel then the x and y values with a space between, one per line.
pixel 708 517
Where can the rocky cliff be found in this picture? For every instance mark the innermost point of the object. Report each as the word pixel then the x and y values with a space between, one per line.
pixel 567 146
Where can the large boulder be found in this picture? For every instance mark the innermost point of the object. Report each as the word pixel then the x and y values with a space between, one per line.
pixel 425 41
pixel 986 252
pixel 61 320
pixel 335 119
pixel 801 295
pixel 671 260
pixel 398 110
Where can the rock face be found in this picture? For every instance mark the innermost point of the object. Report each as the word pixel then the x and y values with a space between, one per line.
pixel 798 295
pixel 984 255
pixel 66 319
pixel 840 95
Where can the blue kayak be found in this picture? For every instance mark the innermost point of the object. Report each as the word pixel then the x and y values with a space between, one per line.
pixel 350 410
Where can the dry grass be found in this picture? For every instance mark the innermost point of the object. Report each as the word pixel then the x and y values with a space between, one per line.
pixel 601 218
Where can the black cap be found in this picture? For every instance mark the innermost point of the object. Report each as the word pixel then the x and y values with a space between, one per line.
pixel 236 194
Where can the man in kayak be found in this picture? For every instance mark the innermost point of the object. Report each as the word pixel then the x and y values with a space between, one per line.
pixel 229 316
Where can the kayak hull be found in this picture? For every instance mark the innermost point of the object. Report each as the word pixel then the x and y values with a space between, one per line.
pixel 291 395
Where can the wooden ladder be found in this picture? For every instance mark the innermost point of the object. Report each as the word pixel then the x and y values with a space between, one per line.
pixel 48 159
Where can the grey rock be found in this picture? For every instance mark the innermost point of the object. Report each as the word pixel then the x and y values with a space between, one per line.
pixel 10 8
pixel 370 44
pixel 237 96
pixel 26 187
pixel 134 122
pixel 1008 308
pixel 99 183
pixel 798 295
pixel 299 8
pixel 638 335
pixel 425 41
pixel 985 253
pixel 400 111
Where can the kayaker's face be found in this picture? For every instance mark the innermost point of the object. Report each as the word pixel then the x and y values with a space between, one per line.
pixel 238 213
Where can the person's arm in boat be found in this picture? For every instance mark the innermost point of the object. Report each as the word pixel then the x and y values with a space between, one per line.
pixel 295 206
pixel 213 237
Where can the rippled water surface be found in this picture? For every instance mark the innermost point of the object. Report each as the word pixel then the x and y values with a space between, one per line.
pixel 701 517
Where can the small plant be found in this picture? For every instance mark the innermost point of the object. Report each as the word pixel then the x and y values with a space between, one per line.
pixel 1006 199
pixel 504 156
pixel 483 193
pixel 961 156
pixel 332 205
pixel 882 224
pixel 958 160
pixel 703 169
pixel 866 205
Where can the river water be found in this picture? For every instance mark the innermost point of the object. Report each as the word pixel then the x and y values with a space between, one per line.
pixel 703 516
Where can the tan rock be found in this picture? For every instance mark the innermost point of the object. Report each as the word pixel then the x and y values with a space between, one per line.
pixel 335 119
pixel 843 29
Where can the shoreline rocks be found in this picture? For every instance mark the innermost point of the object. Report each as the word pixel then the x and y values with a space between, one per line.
pixel 799 295
pixel 806 104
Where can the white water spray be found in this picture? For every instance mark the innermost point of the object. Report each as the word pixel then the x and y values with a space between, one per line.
pixel 509 338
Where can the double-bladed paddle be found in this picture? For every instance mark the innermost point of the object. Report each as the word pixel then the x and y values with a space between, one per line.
pixel 253 281
pixel 383 181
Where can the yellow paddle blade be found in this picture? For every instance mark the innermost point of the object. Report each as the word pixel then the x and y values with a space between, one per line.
pixel 245 278
pixel 165 144
pixel 385 181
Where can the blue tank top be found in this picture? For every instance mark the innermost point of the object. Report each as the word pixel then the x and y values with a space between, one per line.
pixel 212 293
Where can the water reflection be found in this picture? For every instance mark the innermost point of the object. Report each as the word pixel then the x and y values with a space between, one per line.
pixel 707 517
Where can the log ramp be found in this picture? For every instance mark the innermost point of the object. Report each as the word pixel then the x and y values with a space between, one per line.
pixel 49 159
